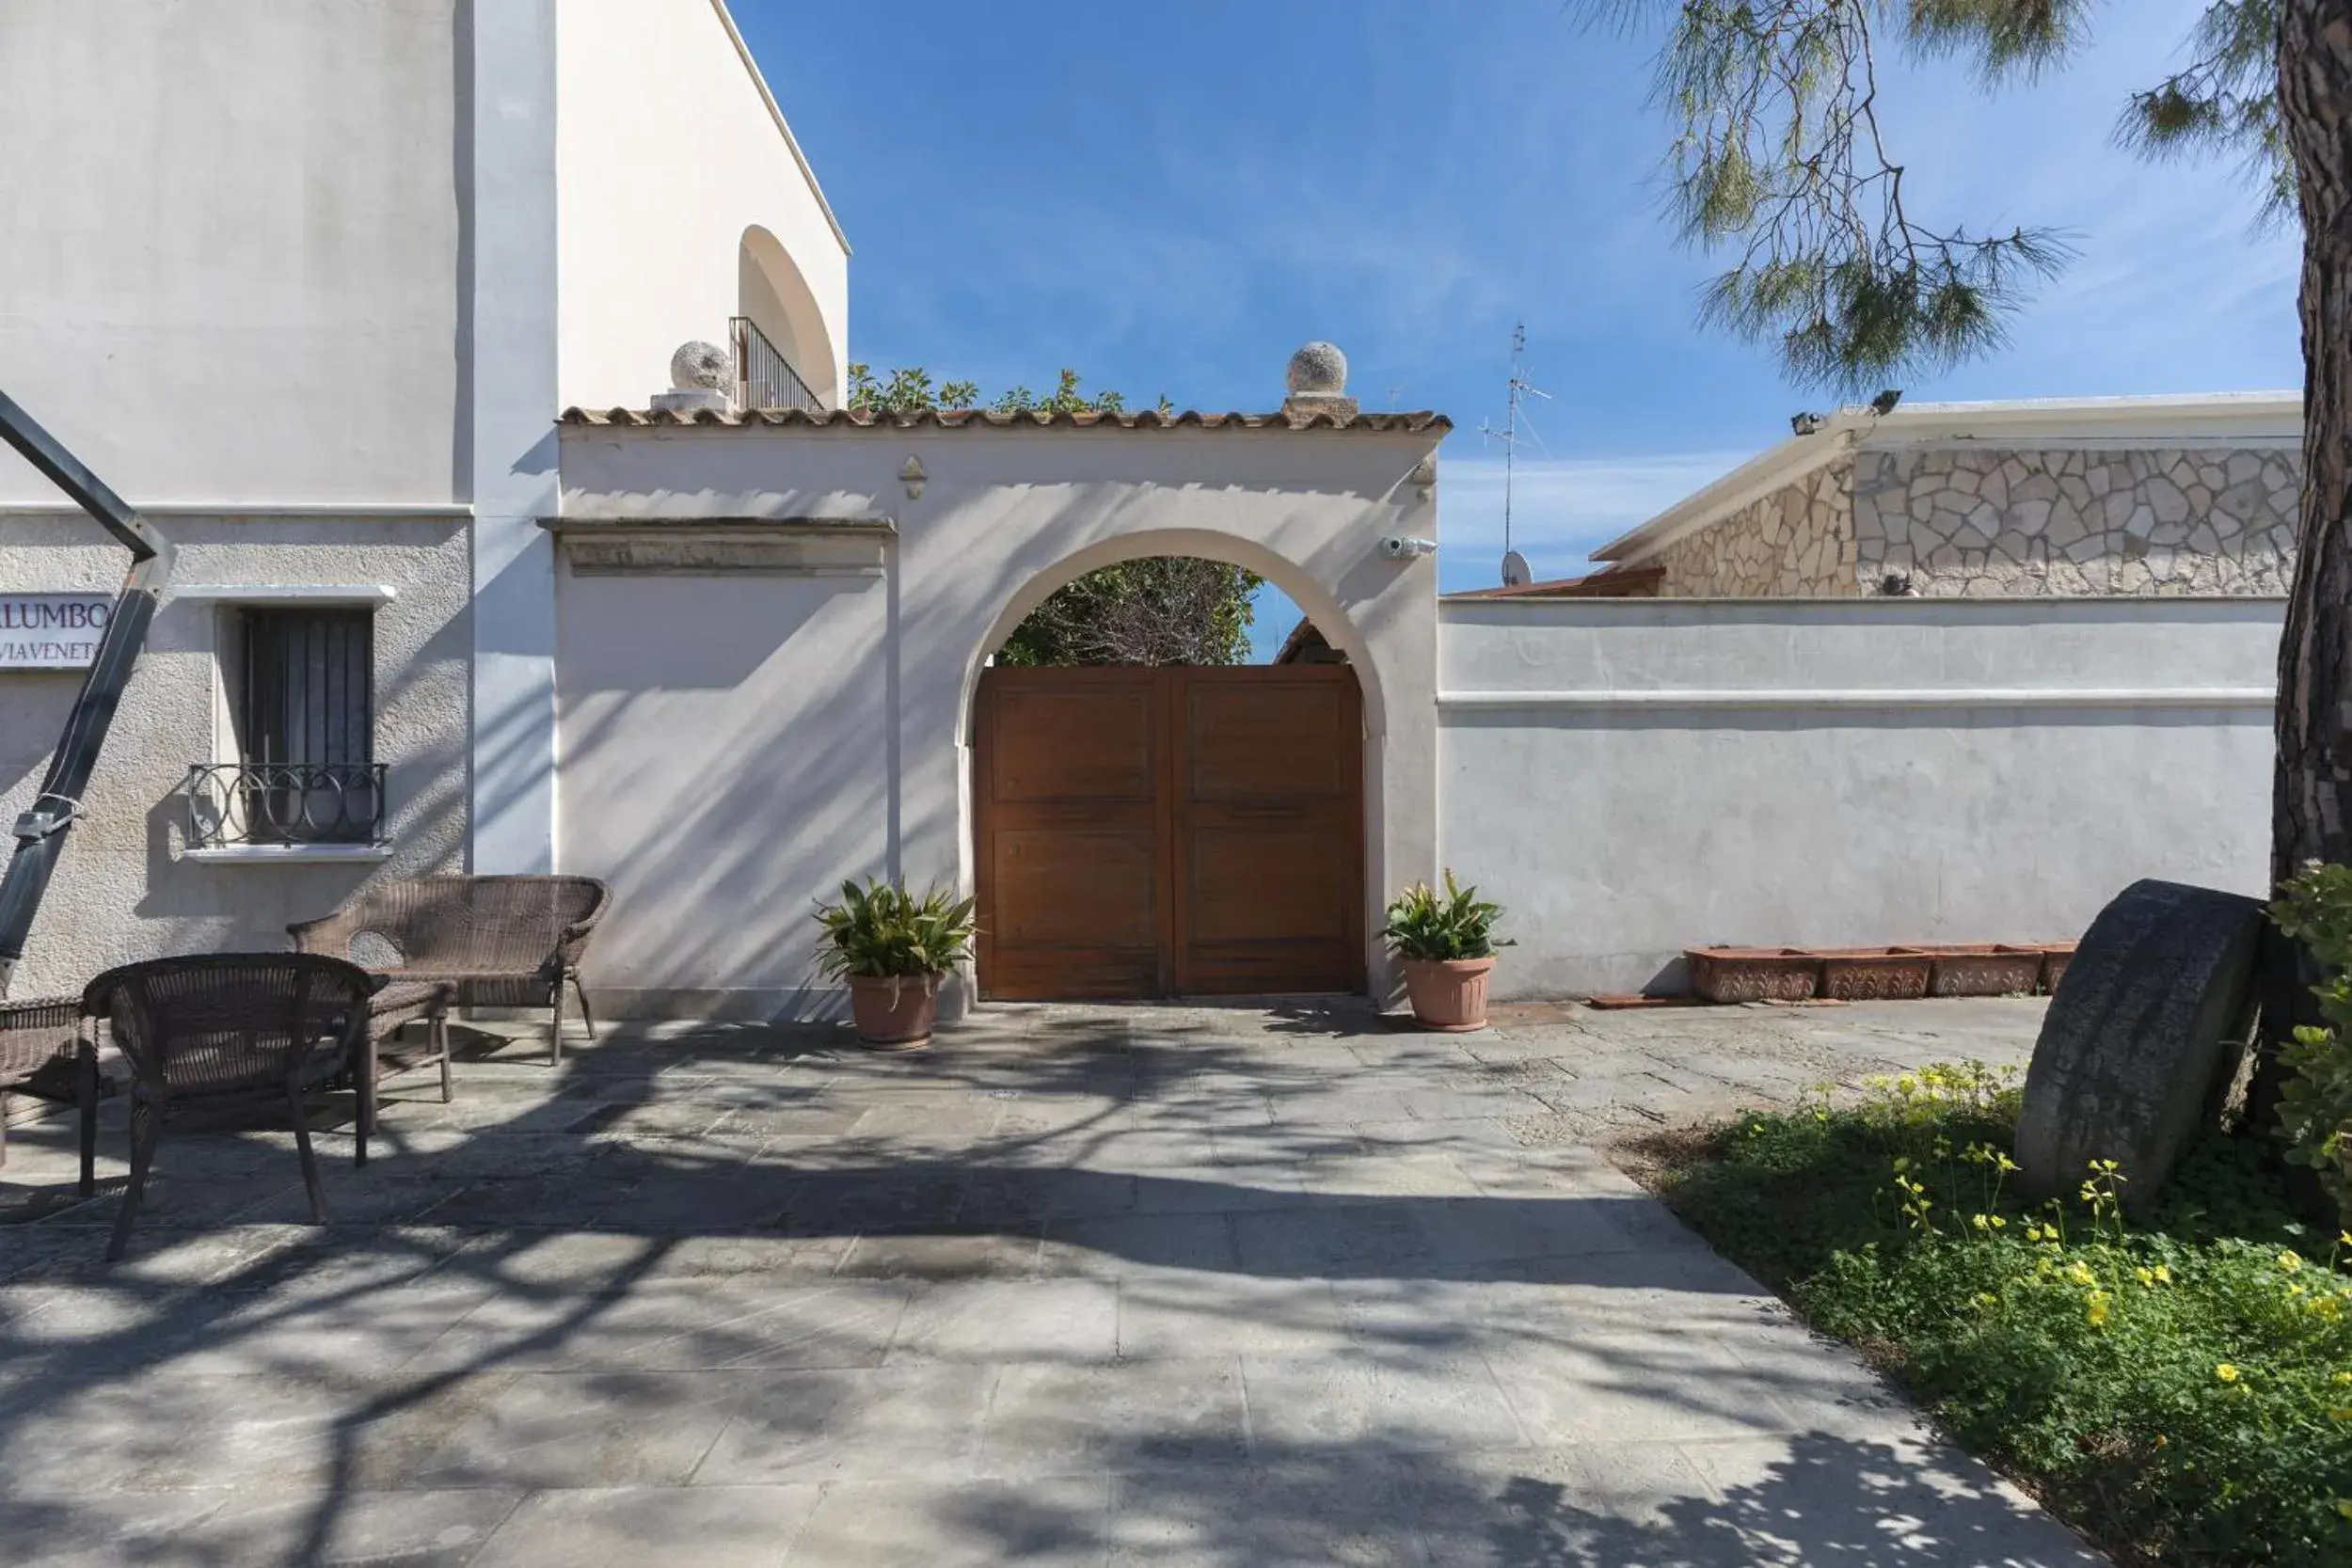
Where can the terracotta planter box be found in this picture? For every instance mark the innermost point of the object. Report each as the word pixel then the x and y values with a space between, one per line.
pixel 1753 973
pixel 1983 969
pixel 2054 956
pixel 1875 974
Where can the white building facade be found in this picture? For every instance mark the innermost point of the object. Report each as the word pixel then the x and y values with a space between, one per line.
pixel 306 280
pixel 362 301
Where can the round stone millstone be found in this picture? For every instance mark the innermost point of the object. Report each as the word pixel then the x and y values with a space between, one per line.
pixel 701 367
pixel 2133 1046
pixel 1318 368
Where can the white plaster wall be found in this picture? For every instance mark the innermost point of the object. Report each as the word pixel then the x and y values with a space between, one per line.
pixel 228 249
pixel 1630 778
pixel 811 754
pixel 121 890
pixel 667 154
pixel 726 761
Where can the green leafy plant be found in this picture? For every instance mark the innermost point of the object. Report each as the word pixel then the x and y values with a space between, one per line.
pixel 2178 1384
pixel 2316 1101
pixel 880 930
pixel 1424 923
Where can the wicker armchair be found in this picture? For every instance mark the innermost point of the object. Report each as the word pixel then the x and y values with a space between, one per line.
pixel 502 941
pixel 44 1053
pixel 231 1026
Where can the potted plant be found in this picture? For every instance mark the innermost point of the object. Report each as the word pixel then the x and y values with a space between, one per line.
pixel 1445 943
pixel 892 949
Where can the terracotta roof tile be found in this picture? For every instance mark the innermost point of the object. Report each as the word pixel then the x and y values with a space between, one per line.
pixel 982 418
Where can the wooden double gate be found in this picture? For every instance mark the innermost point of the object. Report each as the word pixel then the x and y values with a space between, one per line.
pixel 1169 832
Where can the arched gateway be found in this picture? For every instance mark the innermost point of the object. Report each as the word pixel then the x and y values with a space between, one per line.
pixel 773 636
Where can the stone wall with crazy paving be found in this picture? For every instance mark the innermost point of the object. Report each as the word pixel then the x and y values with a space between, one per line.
pixel 2076 521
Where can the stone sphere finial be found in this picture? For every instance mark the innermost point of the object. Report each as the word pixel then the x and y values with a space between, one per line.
pixel 1319 369
pixel 700 367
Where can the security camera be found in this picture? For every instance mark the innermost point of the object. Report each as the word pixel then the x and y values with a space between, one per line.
pixel 1396 546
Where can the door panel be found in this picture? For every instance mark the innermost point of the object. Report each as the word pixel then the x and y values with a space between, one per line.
pixel 1097 741
pixel 1067 814
pixel 1270 737
pixel 1154 832
pixel 1268 830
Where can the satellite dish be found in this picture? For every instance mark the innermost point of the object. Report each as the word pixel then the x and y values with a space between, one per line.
pixel 1514 572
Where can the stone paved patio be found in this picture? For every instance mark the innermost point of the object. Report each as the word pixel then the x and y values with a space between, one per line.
pixel 1178 1286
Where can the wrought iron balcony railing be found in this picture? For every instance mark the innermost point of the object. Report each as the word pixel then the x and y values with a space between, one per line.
pixel 244 802
pixel 764 378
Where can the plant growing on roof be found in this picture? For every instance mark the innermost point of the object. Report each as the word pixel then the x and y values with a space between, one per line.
pixel 1424 925
pixel 1167 610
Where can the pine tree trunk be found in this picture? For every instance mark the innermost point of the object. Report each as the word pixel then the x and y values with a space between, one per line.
pixel 2312 802
pixel 2312 784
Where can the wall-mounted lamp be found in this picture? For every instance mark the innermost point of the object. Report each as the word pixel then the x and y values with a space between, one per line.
pixel 911 474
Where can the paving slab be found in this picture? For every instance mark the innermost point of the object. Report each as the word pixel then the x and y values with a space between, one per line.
pixel 1199 1285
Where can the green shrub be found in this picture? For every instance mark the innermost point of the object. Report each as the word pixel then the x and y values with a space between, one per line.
pixel 2315 1102
pixel 2179 1388
pixel 881 930
pixel 1460 924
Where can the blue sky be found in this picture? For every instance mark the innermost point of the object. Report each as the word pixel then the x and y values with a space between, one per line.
pixel 1171 199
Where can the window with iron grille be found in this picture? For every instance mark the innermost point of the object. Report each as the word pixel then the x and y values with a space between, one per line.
pixel 302 704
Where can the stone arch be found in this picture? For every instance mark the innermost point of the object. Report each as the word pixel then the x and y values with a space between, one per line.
pixel 771 291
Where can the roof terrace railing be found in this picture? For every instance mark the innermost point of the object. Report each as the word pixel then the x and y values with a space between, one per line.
pixel 764 378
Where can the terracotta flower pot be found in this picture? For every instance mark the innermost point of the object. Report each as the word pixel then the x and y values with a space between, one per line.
pixel 1447 993
pixel 894 1013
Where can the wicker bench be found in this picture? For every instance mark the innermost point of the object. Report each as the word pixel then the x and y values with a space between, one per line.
pixel 47 1054
pixel 498 941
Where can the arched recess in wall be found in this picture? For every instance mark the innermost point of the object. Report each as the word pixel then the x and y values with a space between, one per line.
pixel 771 291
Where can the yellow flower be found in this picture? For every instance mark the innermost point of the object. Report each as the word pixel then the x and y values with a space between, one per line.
pixel 2343 1506
pixel 2289 1261
pixel 1986 1300
pixel 2080 1275
pixel 2096 1310
pixel 2226 1372
pixel 2343 1380
pixel 2340 1414
pixel 2163 1275
pixel 2146 1276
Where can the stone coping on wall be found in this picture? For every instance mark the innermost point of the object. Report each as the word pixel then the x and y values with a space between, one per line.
pixel 1613 604
pixel 984 418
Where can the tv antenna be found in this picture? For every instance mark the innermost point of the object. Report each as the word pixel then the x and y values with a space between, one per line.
pixel 1514 564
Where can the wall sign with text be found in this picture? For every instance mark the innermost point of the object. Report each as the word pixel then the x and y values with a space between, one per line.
pixel 52 631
